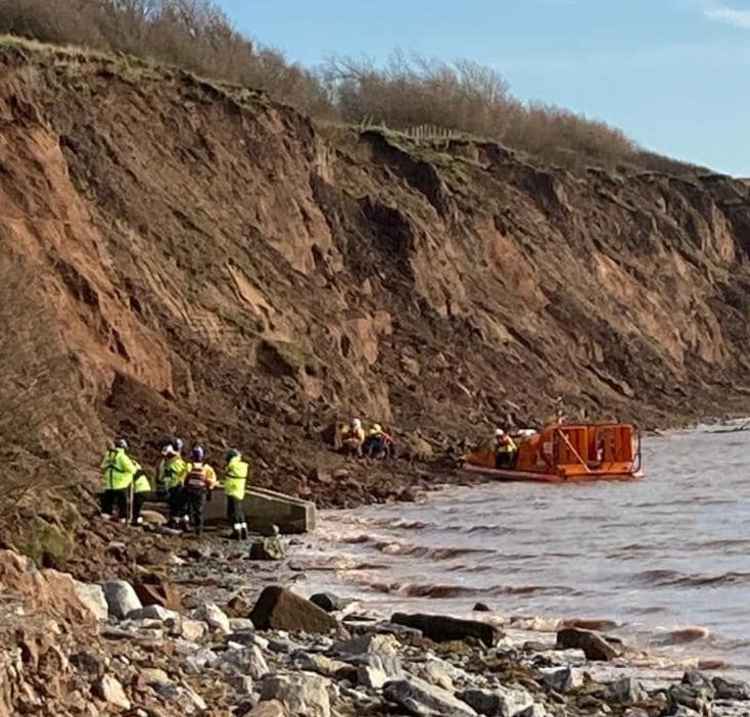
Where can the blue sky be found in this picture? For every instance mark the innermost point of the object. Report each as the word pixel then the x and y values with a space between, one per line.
pixel 674 74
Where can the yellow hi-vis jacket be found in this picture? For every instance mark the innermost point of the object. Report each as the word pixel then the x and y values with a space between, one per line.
pixel 235 478
pixel 171 472
pixel 507 446
pixel 142 483
pixel 118 469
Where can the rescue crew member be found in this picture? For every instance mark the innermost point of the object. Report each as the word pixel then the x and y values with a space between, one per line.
pixel 354 438
pixel 141 489
pixel 236 474
pixel 505 450
pixel 169 477
pixel 118 469
pixel 378 443
pixel 199 480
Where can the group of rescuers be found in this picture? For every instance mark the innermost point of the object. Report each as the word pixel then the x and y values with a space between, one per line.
pixel 187 485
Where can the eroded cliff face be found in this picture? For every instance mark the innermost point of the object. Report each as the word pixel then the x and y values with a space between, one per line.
pixel 217 266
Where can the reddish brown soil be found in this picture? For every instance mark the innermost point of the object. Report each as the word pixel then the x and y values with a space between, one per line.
pixel 219 267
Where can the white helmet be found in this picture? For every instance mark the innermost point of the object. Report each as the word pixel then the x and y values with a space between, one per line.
pixel 356 423
pixel 499 433
pixel 168 451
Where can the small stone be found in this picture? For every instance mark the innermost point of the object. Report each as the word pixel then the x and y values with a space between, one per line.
pixel 153 612
pixel 214 617
pixel 369 643
pixel 301 693
pixel 482 607
pixel 329 602
pixel 626 691
pixel 320 664
pixel 121 598
pixel 594 646
pixel 372 675
pixel 562 679
pixel 272 708
pixel 242 684
pixel 241 624
pixel 499 702
pixel 249 660
pixel 93 598
pixel 152 517
pixel 420 698
pixel 111 691
pixel 193 630
pixel 268 549
pixel 152 675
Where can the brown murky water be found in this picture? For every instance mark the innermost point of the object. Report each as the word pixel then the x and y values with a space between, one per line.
pixel 657 555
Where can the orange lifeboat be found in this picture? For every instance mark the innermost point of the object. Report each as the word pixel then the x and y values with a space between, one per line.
pixel 568 453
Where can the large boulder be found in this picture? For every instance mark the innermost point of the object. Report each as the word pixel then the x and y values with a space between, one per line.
pixel 301 693
pixel 440 628
pixel 594 646
pixel 280 609
pixel 57 594
pixel 272 708
pixel 121 598
pixel 420 698
pixel 154 612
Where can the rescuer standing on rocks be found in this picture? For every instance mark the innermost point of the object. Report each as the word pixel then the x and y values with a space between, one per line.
pixel 169 477
pixel 235 483
pixel 200 479
pixel 118 470
pixel 141 489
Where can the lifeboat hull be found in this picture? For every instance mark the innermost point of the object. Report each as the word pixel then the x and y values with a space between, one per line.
pixel 509 475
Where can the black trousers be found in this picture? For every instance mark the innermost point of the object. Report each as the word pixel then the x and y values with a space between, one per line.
pixel 138 500
pixel 176 503
pixel 235 512
pixel 195 501
pixel 504 460
pixel 116 499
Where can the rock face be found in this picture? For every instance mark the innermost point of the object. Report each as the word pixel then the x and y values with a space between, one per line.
pixel 638 279
pixel 594 646
pixel 121 598
pixel 420 698
pixel 301 693
pixel 439 628
pixel 279 609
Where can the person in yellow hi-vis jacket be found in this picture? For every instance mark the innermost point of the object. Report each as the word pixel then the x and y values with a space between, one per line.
pixel 141 489
pixel 118 469
pixel 236 473
pixel 200 480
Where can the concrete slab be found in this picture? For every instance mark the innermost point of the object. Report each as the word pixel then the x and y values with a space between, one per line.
pixel 263 509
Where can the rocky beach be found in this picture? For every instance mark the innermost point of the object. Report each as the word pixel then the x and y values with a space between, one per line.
pixel 201 628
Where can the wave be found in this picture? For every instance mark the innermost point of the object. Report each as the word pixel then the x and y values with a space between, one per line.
pixel 422 551
pixel 673 578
